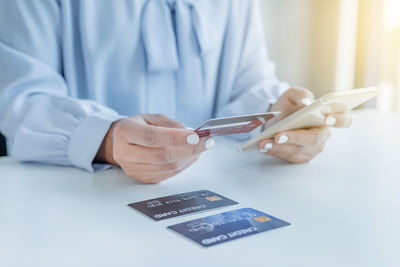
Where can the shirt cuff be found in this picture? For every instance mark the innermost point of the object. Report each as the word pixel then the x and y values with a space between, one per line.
pixel 87 138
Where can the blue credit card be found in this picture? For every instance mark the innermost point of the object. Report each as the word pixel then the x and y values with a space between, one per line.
pixel 227 226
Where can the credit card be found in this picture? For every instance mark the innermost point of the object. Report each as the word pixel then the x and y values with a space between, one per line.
pixel 233 125
pixel 227 226
pixel 181 204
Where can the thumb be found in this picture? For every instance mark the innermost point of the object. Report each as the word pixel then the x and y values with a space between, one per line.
pixel 300 96
pixel 162 120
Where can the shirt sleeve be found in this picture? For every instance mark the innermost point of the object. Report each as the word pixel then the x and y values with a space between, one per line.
pixel 43 123
pixel 256 86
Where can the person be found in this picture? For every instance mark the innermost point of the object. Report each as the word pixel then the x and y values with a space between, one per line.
pixel 95 82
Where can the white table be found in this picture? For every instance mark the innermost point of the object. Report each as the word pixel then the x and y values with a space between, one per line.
pixel 344 208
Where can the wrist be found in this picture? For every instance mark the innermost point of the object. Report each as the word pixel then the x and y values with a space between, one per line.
pixel 105 152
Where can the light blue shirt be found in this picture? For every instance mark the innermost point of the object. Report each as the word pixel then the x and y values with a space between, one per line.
pixel 69 68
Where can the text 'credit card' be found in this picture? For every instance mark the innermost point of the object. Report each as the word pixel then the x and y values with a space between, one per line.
pixel 227 226
pixel 181 204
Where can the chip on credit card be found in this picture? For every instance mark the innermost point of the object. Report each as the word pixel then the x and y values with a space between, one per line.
pixel 227 226
pixel 181 204
pixel 233 125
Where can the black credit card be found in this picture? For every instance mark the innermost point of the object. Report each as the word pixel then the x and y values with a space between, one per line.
pixel 181 204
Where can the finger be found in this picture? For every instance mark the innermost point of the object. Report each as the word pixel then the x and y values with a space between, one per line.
pixel 148 168
pixel 300 96
pixel 158 155
pixel 293 153
pixel 162 120
pixel 293 158
pixel 265 145
pixel 339 120
pixel 272 148
pixel 304 137
pixel 156 177
pixel 162 177
pixel 135 131
pixel 295 149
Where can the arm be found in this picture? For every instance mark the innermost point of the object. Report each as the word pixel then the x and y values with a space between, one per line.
pixel 43 123
pixel 46 125
pixel 256 89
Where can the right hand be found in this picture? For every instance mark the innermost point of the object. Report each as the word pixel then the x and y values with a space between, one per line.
pixel 151 147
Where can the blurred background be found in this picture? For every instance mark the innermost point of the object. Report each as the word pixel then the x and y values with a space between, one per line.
pixel 328 45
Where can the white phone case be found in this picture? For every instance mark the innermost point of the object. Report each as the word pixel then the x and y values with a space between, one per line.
pixel 312 116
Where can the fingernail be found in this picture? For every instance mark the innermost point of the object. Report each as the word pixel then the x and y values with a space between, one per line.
pixel 210 143
pixel 330 121
pixel 283 139
pixel 189 128
pixel 193 139
pixel 326 109
pixel 266 148
pixel 306 101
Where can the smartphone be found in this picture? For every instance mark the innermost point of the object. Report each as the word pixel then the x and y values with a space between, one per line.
pixel 312 115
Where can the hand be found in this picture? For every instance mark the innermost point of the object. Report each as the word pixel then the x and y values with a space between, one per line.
pixel 300 146
pixel 151 147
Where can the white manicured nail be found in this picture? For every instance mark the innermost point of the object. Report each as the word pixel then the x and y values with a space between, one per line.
pixel 189 128
pixel 267 147
pixel 210 143
pixel 283 139
pixel 330 121
pixel 193 139
pixel 306 101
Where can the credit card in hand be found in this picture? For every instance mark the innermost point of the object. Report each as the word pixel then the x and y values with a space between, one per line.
pixel 227 226
pixel 234 124
pixel 181 204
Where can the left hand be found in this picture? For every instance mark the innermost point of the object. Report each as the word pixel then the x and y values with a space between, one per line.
pixel 302 145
